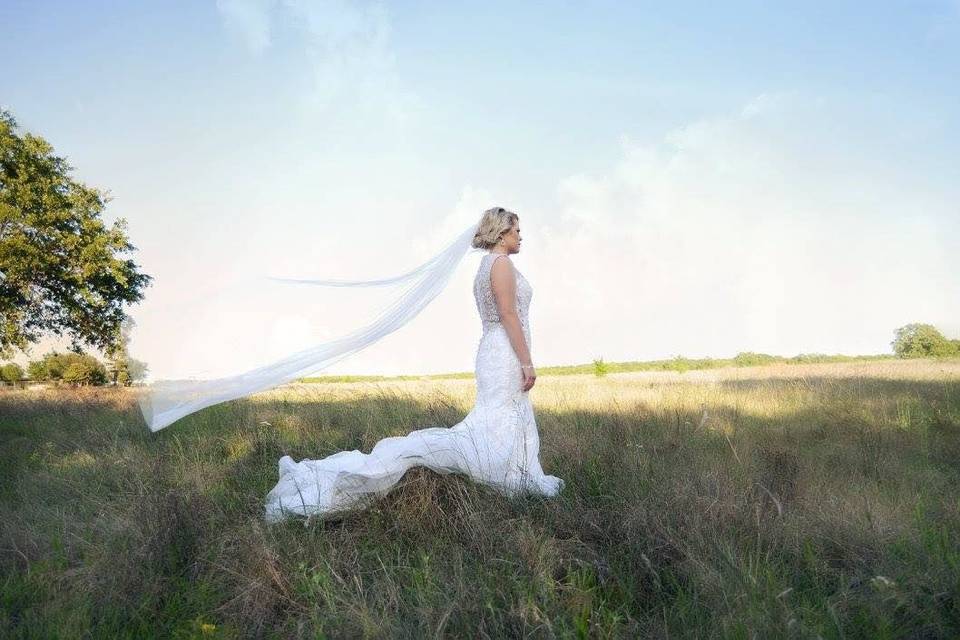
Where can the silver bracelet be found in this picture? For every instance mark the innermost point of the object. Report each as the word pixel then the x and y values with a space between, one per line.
pixel 526 366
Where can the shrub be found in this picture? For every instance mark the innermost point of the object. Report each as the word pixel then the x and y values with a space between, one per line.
pixel 11 372
pixel 749 359
pixel 600 368
pixel 37 370
pixel 808 358
pixel 76 368
pixel 85 370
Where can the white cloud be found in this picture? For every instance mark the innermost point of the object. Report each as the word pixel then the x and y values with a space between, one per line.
pixel 347 44
pixel 776 229
pixel 250 20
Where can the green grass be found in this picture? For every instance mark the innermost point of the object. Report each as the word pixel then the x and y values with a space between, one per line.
pixel 800 506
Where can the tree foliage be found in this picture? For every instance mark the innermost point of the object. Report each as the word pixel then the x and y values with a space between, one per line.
pixel 61 267
pixel 922 341
pixel 76 368
pixel 11 372
pixel 122 369
pixel 85 370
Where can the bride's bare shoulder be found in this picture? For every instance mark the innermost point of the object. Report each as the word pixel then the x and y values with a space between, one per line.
pixel 502 273
pixel 504 265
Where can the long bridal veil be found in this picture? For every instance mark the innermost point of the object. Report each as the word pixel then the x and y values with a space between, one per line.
pixel 166 401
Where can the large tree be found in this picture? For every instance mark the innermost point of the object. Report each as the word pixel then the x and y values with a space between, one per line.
pixel 61 268
pixel 918 340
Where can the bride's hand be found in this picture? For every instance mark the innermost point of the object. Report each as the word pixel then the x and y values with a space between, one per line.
pixel 529 378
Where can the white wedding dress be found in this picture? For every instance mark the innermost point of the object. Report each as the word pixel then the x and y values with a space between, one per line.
pixel 497 443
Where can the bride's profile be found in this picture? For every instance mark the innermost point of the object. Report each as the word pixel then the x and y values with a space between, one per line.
pixel 496 444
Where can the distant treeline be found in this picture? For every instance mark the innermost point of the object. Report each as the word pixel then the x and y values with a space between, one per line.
pixel 75 369
pixel 680 363
pixel 915 340
pixel 599 367
pixel 910 341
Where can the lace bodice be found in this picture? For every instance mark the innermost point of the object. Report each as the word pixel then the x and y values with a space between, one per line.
pixel 483 293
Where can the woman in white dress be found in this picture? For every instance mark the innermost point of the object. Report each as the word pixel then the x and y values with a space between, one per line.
pixel 497 443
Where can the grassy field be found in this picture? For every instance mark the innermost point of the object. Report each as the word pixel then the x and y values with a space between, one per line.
pixel 783 501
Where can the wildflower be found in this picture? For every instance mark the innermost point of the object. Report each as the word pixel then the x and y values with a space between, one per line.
pixel 881 582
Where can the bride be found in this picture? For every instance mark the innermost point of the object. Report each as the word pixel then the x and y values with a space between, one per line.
pixel 497 443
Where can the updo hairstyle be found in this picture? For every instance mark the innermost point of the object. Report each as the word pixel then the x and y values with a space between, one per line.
pixel 494 223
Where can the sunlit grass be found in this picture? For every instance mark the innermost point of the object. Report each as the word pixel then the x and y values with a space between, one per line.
pixel 777 501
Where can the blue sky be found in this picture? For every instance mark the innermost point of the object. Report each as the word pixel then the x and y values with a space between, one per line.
pixel 692 178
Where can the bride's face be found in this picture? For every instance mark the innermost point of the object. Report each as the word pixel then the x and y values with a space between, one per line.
pixel 511 240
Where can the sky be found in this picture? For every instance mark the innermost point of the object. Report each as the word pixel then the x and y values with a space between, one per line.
pixel 693 179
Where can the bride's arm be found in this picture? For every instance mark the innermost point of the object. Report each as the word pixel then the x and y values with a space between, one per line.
pixel 503 280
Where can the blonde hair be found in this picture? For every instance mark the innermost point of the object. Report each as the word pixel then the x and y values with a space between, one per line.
pixel 495 222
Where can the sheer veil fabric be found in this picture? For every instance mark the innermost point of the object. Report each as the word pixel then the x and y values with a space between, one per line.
pixel 166 401
pixel 497 443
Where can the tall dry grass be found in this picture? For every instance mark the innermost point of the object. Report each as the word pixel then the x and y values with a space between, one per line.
pixel 792 501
